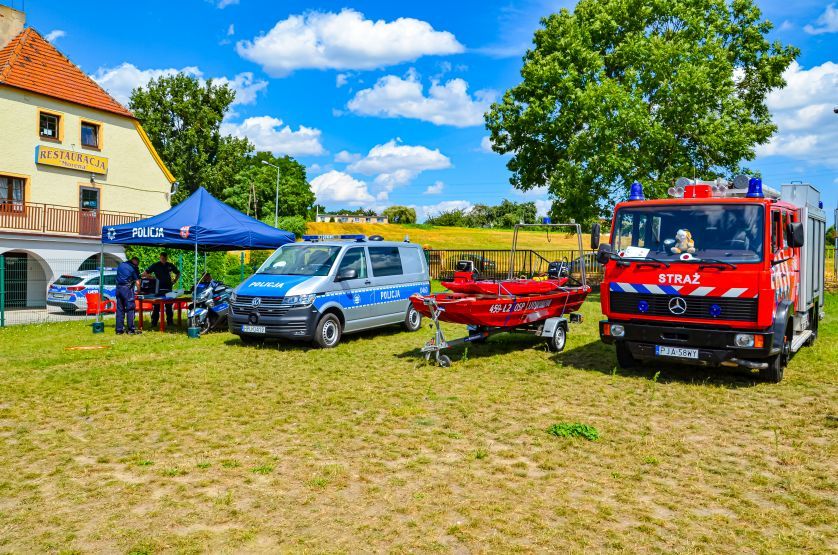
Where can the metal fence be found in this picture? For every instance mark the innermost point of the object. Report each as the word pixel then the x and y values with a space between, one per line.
pixel 495 263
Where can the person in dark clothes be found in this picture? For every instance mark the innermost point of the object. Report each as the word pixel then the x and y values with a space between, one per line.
pixel 127 278
pixel 162 272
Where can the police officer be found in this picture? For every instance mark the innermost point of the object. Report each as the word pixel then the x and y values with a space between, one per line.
pixel 127 278
pixel 162 272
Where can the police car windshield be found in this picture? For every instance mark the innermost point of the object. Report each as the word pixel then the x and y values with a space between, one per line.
pixel 68 280
pixel 725 232
pixel 301 260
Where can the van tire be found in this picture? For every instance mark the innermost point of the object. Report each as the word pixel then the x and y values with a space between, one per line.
pixel 328 332
pixel 625 359
pixel 413 319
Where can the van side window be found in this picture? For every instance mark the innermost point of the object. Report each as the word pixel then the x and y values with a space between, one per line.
pixel 110 279
pixel 354 259
pixel 411 260
pixel 385 261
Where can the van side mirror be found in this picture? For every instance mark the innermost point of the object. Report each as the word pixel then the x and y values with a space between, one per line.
pixel 604 253
pixel 347 273
pixel 797 234
pixel 595 230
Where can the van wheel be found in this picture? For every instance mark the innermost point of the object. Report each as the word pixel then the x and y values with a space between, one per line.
pixel 413 319
pixel 624 357
pixel 327 334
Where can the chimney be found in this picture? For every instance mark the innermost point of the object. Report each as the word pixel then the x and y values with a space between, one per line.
pixel 11 24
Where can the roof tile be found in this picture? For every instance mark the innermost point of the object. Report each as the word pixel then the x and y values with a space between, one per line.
pixel 31 63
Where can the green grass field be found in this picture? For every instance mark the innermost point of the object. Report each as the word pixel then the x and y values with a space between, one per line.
pixel 159 443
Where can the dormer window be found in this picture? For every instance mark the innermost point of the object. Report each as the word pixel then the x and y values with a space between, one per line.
pixel 49 125
pixel 91 134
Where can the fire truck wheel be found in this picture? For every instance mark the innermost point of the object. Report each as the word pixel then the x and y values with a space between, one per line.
pixel 624 357
pixel 777 364
pixel 814 320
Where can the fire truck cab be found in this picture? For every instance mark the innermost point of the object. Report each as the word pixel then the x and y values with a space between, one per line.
pixel 721 274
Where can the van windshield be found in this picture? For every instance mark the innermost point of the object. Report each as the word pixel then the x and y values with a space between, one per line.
pixel 300 260
pixel 728 232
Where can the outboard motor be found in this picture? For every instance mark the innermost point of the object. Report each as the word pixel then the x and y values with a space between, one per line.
pixel 557 269
pixel 464 271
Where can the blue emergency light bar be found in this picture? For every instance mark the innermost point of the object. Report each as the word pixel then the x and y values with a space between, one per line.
pixel 319 238
pixel 636 192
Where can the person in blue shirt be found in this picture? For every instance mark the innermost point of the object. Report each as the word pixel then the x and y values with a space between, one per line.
pixel 127 278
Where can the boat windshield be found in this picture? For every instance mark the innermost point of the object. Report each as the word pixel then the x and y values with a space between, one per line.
pixel 300 260
pixel 728 233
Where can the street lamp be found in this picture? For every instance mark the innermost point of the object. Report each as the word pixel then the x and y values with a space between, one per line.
pixel 276 200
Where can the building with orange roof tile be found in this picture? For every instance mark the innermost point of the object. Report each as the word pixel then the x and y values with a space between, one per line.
pixel 73 160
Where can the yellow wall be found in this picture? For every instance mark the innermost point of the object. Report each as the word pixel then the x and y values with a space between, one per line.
pixel 134 182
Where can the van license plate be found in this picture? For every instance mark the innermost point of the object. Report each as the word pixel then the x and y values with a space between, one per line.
pixel 253 329
pixel 678 352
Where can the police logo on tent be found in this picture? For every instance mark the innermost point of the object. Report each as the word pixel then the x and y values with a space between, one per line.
pixel 111 234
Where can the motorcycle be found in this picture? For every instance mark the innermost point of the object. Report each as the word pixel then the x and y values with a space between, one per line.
pixel 211 306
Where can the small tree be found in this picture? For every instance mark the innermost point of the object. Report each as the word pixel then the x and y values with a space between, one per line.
pixel 400 215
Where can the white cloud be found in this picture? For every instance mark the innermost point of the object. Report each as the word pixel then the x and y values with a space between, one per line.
pixel 396 164
pixel 345 40
pixel 53 36
pixel 486 144
pixel 435 189
pixel 344 156
pixel 335 186
pixel 786 25
pixel 542 207
pixel 119 81
pixel 446 104
pixel 231 30
pixel 444 206
pixel 804 117
pixel 826 23
pixel 221 4
pixel 341 79
pixel 267 134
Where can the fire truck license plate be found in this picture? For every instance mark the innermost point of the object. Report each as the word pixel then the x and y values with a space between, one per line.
pixel 679 352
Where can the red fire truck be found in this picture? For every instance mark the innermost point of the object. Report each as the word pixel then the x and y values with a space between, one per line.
pixel 720 274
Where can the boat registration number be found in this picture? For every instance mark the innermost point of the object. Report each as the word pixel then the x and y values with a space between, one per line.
pixel 247 328
pixel 678 352
pixel 518 306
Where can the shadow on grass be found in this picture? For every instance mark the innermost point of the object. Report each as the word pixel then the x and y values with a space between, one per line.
pixel 599 357
pixel 501 343
pixel 349 338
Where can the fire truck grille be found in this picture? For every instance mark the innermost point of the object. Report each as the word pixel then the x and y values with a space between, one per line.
pixel 708 308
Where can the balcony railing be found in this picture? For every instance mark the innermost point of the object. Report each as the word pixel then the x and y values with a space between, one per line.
pixel 50 218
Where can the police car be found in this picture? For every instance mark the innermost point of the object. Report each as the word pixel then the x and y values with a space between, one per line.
pixel 69 290
pixel 318 289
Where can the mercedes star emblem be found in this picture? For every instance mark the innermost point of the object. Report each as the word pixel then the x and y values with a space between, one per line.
pixel 256 302
pixel 677 305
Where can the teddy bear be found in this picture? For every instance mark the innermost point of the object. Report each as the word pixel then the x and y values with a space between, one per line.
pixel 683 242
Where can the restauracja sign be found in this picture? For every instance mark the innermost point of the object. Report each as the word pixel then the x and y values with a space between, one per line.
pixel 51 156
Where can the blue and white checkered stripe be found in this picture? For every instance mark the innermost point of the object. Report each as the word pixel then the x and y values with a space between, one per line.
pixel 646 288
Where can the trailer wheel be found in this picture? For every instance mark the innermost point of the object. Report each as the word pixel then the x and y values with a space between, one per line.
pixel 625 359
pixel 327 334
pixel 558 341
pixel 444 361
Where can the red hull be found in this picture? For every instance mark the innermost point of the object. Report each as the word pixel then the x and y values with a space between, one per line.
pixel 508 287
pixel 502 311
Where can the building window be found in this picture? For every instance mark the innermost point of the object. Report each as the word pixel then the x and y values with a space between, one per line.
pixel 49 126
pixel 91 134
pixel 12 193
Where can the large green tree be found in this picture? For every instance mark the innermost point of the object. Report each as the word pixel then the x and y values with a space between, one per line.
pixel 182 117
pixel 648 90
pixel 253 190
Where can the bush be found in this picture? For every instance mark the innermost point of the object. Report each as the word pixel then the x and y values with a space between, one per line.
pixel 566 429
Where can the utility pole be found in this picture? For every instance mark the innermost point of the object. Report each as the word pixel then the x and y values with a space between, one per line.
pixel 276 201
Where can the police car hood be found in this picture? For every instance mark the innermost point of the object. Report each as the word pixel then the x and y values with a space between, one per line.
pixel 270 285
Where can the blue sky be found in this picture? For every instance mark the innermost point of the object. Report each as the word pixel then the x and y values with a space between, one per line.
pixel 388 111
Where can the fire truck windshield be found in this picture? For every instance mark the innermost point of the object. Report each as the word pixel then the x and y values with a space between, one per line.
pixel 726 232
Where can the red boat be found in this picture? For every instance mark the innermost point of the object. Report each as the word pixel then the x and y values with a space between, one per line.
pixel 535 305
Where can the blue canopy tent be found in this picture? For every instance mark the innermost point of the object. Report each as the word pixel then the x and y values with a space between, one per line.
pixel 199 223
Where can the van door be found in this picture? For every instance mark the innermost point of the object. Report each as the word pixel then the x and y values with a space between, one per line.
pixel 357 311
pixel 388 276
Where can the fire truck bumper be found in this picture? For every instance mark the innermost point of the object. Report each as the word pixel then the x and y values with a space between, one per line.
pixel 715 347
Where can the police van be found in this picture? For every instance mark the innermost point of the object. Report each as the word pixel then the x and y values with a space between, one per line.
pixel 318 289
